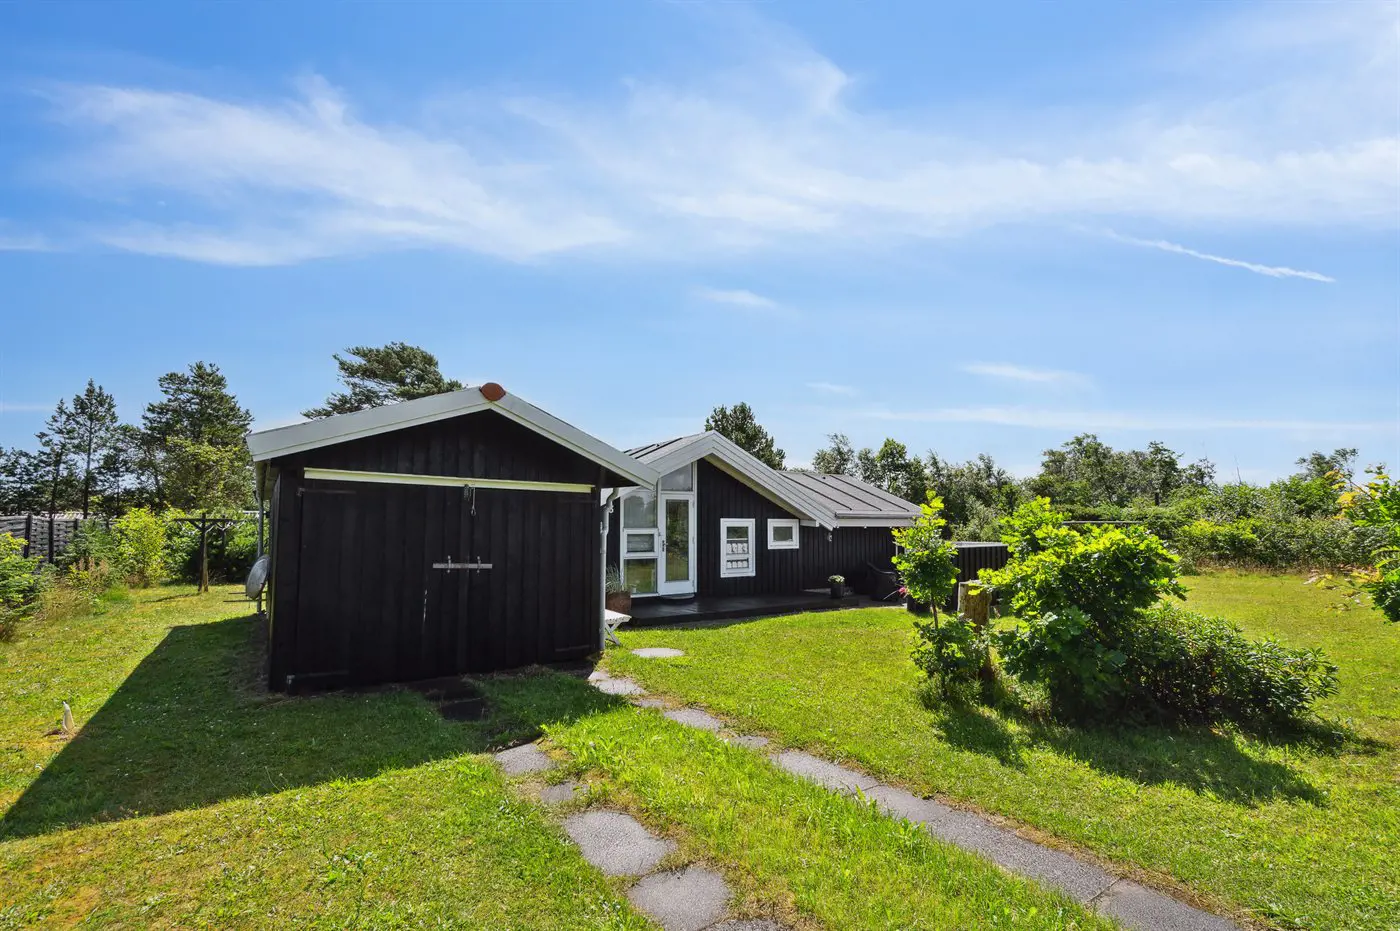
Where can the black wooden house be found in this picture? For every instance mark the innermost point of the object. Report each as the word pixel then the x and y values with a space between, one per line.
pixel 451 534
pixel 722 523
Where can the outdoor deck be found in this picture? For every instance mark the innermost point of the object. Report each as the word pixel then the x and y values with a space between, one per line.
pixel 654 611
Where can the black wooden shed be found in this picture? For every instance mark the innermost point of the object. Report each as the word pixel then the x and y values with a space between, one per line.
pixel 451 534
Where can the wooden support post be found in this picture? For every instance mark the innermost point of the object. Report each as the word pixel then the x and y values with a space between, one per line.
pixel 975 604
pixel 203 554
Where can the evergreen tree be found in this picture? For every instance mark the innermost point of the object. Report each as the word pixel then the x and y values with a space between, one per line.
pixel 378 375
pixel 197 421
pixel 90 431
pixel 738 424
pixel 197 407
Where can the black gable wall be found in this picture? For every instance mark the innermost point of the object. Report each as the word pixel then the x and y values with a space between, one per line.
pixel 719 496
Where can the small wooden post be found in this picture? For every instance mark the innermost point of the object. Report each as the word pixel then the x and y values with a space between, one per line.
pixel 975 604
pixel 203 553
pixel 28 534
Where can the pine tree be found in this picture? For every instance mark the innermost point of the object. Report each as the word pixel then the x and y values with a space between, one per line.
pixel 378 375
pixel 90 431
pixel 738 424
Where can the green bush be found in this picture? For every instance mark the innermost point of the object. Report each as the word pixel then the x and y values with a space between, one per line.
pixel 1208 541
pixel 20 585
pixel 1066 653
pixel 950 650
pixel 138 546
pixel 1187 666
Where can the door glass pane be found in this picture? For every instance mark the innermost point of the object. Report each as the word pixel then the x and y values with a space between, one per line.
pixel 639 575
pixel 680 480
pixel 639 510
pixel 677 540
pixel 641 542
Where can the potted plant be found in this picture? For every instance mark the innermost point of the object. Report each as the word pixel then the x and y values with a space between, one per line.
pixel 616 596
pixel 838 585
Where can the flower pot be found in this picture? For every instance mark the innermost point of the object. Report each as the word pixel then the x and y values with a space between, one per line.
pixel 917 607
pixel 837 589
pixel 621 602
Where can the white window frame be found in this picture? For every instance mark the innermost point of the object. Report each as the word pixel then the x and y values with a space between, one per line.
pixel 784 522
pixel 749 524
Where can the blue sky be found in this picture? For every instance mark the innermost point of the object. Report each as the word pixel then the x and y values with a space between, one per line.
pixel 971 227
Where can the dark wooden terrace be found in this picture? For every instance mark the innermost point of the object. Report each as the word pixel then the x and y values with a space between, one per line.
pixel 652 612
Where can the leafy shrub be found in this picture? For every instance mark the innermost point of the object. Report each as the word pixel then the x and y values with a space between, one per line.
pixel 1208 541
pixel 1065 652
pixel 1189 666
pixel 951 651
pixel 1385 592
pixel 926 562
pixel 20 585
pixel 138 547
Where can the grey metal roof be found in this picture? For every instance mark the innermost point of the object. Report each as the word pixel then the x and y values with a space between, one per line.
pixel 653 451
pixel 849 497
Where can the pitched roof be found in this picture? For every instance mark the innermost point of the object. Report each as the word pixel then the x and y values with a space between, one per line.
pixel 341 428
pixel 829 500
pixel 852 501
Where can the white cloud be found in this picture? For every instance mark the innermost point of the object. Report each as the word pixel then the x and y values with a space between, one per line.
pixel 737 296
pixel 1297 129
pixel 7 407
pixel 23 242
pixel 1113 420
pixel 1021 373
pixel 826 387
pixel 1273 271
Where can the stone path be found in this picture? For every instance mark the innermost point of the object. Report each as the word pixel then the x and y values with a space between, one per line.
pixel 1132 904
pixel 691 898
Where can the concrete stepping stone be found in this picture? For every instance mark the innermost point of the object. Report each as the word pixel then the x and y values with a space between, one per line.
pixel 824 773
pixel 1139 907
pixel 1081 881
pixel 610 686
pixel 752 741
pixel 526 758
pixel 684 900
pixel 658 652
pixel 616 843
pixel 749 924
pixel 694 717
pixel 649 703
pixel 561 793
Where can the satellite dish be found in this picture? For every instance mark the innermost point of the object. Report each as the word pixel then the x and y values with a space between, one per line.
pixel 257 578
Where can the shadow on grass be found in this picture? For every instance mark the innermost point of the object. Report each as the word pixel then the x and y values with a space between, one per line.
pixel 1195 758
pixel 190 727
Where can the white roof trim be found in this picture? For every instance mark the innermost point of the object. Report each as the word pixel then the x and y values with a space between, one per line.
pixel 747 468
pixel 341 428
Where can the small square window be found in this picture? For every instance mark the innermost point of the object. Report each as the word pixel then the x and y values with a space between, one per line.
pixel 736 551
pixel 782 535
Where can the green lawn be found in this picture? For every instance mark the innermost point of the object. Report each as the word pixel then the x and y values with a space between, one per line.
pixel 1295 832
pixel 191 798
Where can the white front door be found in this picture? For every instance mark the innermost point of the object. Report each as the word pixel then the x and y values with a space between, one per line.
pixel 677 526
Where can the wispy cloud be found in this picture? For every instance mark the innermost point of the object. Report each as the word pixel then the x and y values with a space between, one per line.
pixel 9 407
pixel 1006 370
pixel 23 242
pixel 826 387
pixel 1038 418
pixel 739 297
pixel 1273 271
pixel 772 150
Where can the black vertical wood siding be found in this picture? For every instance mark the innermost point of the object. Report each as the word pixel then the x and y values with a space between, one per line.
pixel 718 496
pixel 846 551
pixel 353 595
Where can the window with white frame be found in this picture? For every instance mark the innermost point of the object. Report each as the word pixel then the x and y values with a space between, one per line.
pixel 782 534
pixel 736 550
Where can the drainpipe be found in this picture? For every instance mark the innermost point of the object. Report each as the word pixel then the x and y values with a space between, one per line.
pixel 603 510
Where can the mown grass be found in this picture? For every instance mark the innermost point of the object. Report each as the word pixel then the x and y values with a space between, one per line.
pixel 1298 831
pixel 190 798
pixel 796 848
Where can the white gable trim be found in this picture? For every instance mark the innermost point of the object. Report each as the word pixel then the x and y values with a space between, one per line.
pixel 341 428
pixel 742 465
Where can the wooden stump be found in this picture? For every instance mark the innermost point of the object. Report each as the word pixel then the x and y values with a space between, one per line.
pixel 975 604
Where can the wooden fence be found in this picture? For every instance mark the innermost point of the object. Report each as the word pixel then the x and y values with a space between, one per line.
pixel 43 537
